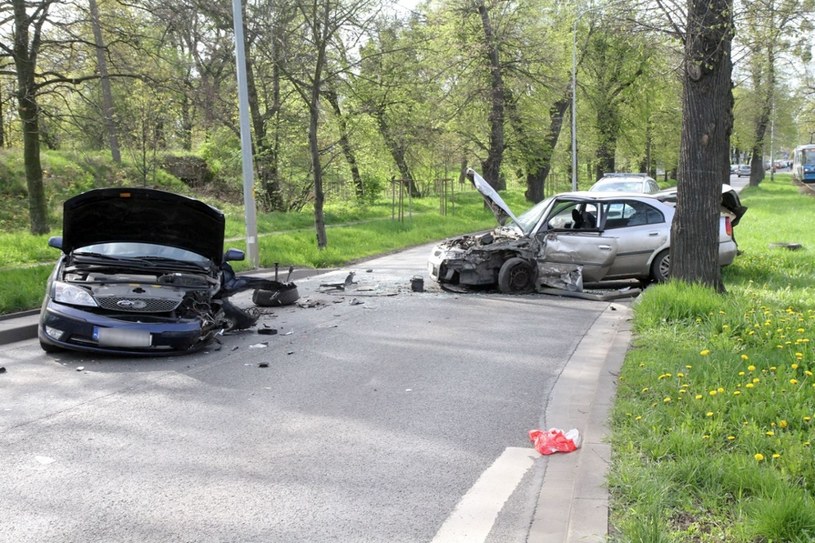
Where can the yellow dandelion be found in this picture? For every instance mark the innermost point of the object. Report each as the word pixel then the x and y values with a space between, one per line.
pixel 769 433
pixel 731 438
pixel 776 456
pixel 720 390
pixel 794 366
pixel 745 357
pixel 759 457
pixel 712 392
pixel 698 396
pixel 782 423
pixel 667 399
pixel 751 368
pixel 709 414
pixel 793 381
pixel 704 352
pixel 749 385
pixel 737 393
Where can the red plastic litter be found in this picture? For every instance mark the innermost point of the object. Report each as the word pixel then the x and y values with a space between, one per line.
pixel 555 440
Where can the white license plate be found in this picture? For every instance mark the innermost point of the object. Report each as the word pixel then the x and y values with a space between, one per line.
pixel 119 337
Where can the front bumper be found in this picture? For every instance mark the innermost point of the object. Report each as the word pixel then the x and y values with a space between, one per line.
pixel 75 329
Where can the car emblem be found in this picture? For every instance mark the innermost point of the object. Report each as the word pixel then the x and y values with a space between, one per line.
pixel 131 304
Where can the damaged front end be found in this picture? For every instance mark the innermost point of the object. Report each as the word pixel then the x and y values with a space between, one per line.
pixel 97 303
pixel 475 260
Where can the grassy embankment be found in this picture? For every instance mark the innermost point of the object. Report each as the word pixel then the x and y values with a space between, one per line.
pixel 715 413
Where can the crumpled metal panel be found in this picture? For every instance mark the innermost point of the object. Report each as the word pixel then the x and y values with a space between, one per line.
pixel 561 276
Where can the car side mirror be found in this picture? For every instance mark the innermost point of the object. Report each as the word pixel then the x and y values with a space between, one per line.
pixel 234 254
pixel 55 242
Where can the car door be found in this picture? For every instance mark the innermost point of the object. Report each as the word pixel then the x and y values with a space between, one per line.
pixel 640 229
pixel 569 236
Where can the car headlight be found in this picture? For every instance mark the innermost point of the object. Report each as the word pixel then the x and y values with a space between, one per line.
pixel 66 293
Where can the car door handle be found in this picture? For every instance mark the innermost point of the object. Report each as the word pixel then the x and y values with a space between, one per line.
pixel 653 234
pixel 604 247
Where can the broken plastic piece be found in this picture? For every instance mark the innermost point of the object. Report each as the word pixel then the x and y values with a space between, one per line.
pixel 555 440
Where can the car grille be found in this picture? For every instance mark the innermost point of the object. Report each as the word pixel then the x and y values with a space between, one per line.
pixel 137 305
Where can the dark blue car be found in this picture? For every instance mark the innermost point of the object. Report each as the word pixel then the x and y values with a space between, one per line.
pixel 143 272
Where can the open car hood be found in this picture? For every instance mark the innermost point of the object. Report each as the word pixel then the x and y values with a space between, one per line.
pixel 494 201
pixel 144 216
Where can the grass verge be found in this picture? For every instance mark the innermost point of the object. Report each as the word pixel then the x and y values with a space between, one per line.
pixel 714 420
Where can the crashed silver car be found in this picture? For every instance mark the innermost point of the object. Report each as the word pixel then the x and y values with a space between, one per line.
pixel 565 241
pixel 144 272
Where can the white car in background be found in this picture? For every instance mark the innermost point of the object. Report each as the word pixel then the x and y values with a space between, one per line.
pixel 625 182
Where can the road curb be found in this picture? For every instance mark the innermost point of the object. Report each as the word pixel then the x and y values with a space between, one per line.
pixel 18 326
pixel 573 504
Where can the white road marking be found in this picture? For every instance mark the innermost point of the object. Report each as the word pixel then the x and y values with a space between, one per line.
pixel 475 514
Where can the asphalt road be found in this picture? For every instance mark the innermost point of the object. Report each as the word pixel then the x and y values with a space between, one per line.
pixel 366 417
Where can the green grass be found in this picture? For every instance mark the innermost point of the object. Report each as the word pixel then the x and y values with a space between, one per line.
pixel 714 421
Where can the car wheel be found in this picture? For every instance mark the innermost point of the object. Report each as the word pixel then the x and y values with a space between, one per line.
pixel 274 298
pixel 661 267
pixel 516 276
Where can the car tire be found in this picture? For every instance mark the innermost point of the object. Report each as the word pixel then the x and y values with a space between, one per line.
pixel 516 276
pixel 661 267
pixel 275 298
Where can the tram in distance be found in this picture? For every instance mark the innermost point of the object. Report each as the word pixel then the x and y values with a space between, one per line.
pixel 803 164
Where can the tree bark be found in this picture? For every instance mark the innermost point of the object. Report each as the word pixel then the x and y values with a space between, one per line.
pixel 396 150
pixel 26 48
pixel 707 124
pixel 345 143
pixel 107 94
pixel 537 156
pixel 495 154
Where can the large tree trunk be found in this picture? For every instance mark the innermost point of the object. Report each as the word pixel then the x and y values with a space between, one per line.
pixel 107 94
pixel 707 124
pixel 608 126
pixel 495 154
pixel 2 121
pixel 537 157
pixel 396 150
pixel 266 156
pixel 763 121
pixel 345 143
pixel 25 64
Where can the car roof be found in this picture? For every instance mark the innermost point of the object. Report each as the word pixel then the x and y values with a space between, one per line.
pixel 610 195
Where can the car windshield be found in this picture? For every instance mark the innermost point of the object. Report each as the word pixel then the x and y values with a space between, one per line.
pixel 529 219
pixel 131 250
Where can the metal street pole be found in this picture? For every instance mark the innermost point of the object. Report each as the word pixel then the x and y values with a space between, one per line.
pixel 574 103
pixel 246 139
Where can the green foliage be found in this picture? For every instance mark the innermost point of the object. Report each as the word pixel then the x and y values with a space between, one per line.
pixel 222 153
